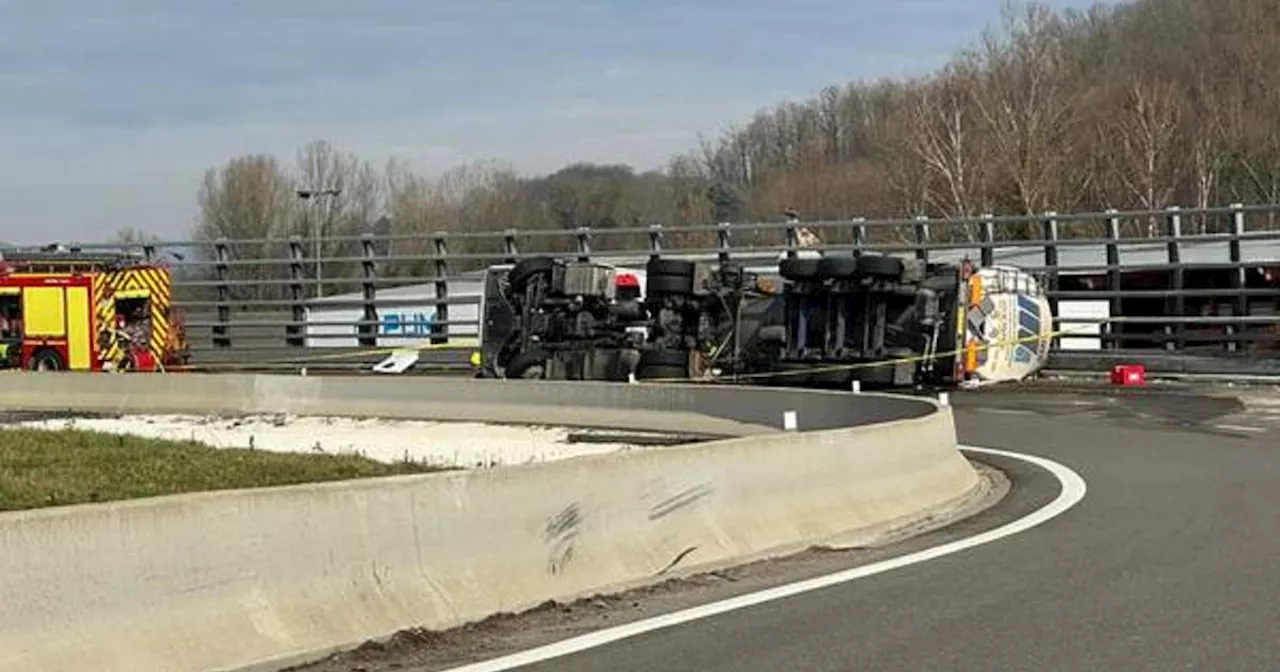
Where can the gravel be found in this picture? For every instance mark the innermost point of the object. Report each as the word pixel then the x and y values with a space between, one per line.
pixel 446 444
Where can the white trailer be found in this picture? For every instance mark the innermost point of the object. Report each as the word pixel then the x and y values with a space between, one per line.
pixel 406 316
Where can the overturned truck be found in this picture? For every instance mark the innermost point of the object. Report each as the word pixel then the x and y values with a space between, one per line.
pixel 829 321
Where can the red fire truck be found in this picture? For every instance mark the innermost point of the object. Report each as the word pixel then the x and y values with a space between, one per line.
pixel 68 310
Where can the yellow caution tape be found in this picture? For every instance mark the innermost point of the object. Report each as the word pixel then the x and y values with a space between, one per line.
pixel 969 349
pixel 453 344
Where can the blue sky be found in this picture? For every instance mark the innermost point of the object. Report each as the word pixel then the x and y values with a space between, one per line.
pixel 113 109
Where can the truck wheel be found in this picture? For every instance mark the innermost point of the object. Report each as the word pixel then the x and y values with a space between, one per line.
pixel 663 365
pixel 880 265
pixel 46 360
pixel 798 269
pixel 526 269
pixel 669 276
pixel 673 267
pixel 659 285
pixel 667 373
pixel 526 365
pixel 837 267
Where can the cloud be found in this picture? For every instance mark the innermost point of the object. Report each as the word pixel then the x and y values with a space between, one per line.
pixel 114 110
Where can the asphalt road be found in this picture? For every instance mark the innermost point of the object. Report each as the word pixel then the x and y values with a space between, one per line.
pixel 1167 564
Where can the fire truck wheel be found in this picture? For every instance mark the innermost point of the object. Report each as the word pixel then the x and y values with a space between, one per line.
pixel 798 269
pixel 880 265
pixel 46 360
pixel 526 269
pixel 837 267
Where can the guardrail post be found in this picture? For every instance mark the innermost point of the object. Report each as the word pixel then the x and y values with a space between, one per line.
pixel 793 238
pixel 859 235
pixel 655 241
pixel 295 334
pixel 922 238
pixel 1051 260
pixel 1113 277
pixel 722 241
pixel 440 325
pixel 222 254
pixel 509 243
pixel 369 271
pixel 1239 281
pixel 1177 303
pixel 988 251
pixel 584 243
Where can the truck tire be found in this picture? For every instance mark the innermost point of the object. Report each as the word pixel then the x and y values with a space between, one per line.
pixel 798 269
pixel 663 365
pixel 526 269
pixel 527 365
pixel 659 285
pixel 46 360
pixel 837 267
pixel 679 267
pixel 665 373
pixel 669 276
pixel 880 265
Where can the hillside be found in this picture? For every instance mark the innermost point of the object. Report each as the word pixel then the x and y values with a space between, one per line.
pixel 1139 105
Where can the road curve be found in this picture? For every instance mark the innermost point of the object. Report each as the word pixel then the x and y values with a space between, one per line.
pixel 1167 564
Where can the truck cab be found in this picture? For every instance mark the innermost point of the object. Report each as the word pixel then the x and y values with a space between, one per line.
pixel 562 319
pixel 1007 326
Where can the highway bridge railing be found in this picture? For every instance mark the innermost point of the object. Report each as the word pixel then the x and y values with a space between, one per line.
pixel 1164 284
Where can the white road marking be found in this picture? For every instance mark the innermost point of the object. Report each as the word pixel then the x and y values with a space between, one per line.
pixel 1240 428
pixel 1073 490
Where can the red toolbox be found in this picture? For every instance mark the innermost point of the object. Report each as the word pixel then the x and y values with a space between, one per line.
pixel 1129 374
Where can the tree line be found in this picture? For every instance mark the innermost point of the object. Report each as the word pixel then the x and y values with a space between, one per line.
pixel 1140 105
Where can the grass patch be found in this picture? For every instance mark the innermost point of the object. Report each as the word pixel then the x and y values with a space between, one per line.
pixel 41 468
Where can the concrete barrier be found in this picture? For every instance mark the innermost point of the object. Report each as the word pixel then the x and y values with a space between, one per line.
pixel 231 580
pixel 712 410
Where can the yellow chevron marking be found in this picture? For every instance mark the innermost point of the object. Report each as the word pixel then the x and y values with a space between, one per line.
pixel 156 282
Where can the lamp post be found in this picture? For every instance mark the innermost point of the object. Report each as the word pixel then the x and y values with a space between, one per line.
pixel 307 195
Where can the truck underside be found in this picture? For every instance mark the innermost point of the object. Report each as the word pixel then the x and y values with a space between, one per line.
pixel 879 320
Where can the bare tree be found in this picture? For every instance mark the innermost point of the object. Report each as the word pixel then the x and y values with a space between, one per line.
pixel 1206 134
pixel 950 143
pixel 411 210
pixel 1140 143
pixel 249 202
pixel 129 236
pixel 344 196
pixel 1026 105
pixel 472 198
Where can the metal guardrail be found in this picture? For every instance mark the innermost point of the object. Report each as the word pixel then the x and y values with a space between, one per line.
pixel 1172 281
